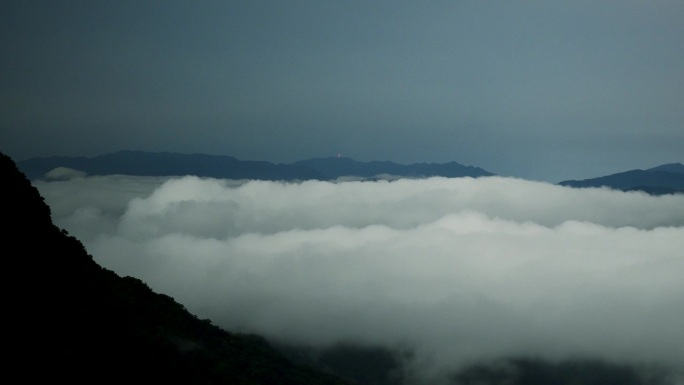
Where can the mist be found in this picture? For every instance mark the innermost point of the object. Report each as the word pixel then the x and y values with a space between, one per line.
pixel 455 270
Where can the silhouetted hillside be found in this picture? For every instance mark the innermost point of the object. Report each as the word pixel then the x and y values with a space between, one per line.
pixel 664 179
pixel 71 321
pixel 670 167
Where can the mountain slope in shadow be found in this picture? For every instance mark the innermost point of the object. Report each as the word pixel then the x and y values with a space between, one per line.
pixel 660 180
pixel 71 320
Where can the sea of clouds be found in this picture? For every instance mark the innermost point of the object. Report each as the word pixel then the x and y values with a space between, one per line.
pixel 454 269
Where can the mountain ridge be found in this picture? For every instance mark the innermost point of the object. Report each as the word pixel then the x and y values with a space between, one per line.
pixel 660 180
pixel 336 167
pixel 669 167
pixel 143 163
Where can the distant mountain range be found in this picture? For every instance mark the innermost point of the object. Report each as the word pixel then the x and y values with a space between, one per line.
pixel 167 164
pixel 337 167
pixel 664 179
pixel 216 166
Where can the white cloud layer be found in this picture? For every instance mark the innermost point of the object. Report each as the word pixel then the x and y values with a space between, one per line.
pixel 455 269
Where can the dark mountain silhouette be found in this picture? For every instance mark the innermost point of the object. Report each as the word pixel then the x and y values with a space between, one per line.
pixel 68 320
pixel 670 167
pixel 336 167
pixel 664 179
pixel 215 166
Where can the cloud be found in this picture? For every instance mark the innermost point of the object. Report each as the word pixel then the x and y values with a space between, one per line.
pixel 457 270
pixel 64 173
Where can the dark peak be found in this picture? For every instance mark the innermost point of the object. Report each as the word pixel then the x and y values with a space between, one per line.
pixel 669 167
pixel 665 179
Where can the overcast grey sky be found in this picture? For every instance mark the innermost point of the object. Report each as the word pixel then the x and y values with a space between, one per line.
pixel 547 90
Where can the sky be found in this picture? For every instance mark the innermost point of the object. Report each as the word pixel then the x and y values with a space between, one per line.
pixel 545 90
pixel 455 270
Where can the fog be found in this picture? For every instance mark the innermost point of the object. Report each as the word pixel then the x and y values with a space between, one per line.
pixel 455 270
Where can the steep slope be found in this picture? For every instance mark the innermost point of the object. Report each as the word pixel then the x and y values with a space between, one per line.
pixel 664 179
pixel 670 167
pixel 70 320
